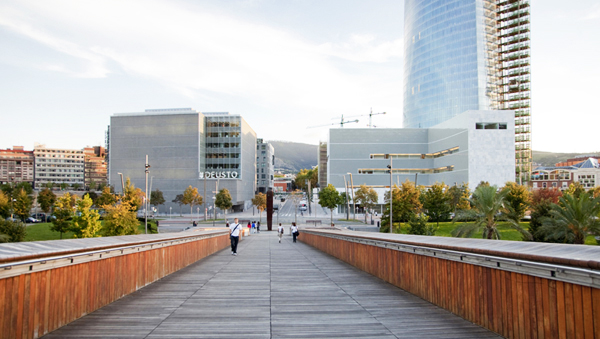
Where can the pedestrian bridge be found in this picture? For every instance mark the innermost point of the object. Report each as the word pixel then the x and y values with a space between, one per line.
pixel 331 284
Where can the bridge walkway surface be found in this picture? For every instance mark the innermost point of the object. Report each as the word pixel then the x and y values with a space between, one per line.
pixel 271 290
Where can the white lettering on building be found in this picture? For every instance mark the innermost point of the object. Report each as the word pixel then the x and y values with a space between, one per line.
pixel 219 175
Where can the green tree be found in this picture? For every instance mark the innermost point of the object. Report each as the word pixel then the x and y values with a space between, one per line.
pixel 157 198
pixel 366 197
pixel 106 198
pixel 63 186
pixel 94 196
pixel 49 185
pixel 22 205
pixel 179 200
pixel 418 225
pixel 86 222
pixel 307 174
pixel 100 186
pixel 4 205
pixel 191 197
pixel 120 220
pixel 518 200
pixel 575 189
pixel 330 198
pixel 92 185
pixel 260 201
pixel 541 201
pixel 133 196
pixel 488 209
pixel 459 197
pixel 573 218
pixel 406 202
pixel 46 198
pixel 76 186
pixel 12 231
pixel 223 200
pixel 63 212
pixel 436 203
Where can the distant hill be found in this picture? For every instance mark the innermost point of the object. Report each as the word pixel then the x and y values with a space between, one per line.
pixel 293 156
pixel 550 159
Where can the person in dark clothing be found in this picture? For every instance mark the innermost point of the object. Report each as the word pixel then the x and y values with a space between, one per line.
pixel 234 235
pixel 294 231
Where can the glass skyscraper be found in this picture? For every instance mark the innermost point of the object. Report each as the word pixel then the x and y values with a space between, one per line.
pixel 468 55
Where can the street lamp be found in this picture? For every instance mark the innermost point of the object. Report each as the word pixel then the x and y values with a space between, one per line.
pixel 353 202
pixel 391 192
pixel 147 169
pixel 170 210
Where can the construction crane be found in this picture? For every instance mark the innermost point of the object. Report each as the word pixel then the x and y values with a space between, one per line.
pixel 370 125
pixel 341 123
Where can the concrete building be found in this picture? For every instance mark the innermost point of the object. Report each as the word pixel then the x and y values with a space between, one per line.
pixel 58 166
pixel 265 166
pixel 468 55
pixel 16 165
pixel 184 147
pixel 322 156
pixel 469 148
pixel 95 166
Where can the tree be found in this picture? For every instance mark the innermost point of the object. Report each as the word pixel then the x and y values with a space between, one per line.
pixel 92 185
pixel 63 186
pixel 541 200
pixel 49 185
pixel 575 189
pixel 133 196
pixel 307 174
pixel 46 198
pixel 12 231
pixel 406 202
pixel 366 197
pixel 94 196
pixel 100 186
pixel 22 205
pixel 517 201
pixel 63 212
pixel 120 220
pixel 260 201
pixel 4 205
pixel 488 209
pixel 595 192
pixel 223 200
pixel 106 198
pixel 157 198
pixel 330 198
pixel 573 218
pixel 459 197
pixel 191 197
pixel 418 225
pixel 179 200
pixel 436 203
pixel 86 222
pixel 76 186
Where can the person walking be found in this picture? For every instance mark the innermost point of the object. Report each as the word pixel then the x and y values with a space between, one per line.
pixel 253 226
pixel 249 228
pixel 294 231
pixel 280 232
pixel 234 235
pixel 258 227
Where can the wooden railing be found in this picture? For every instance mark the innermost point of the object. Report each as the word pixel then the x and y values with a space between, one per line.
pixel 516 289
pixel 46 285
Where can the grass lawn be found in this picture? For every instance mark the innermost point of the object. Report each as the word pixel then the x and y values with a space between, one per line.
pixel 41 231
pixel 506 232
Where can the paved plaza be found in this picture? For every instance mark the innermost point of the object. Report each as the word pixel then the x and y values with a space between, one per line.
pixel 270 290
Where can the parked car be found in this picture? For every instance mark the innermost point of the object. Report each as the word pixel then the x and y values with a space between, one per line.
pixel 32 220
pixel 39 216
pixel 12 219
pixel 275 207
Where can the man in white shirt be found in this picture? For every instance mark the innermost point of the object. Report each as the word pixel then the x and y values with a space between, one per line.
pixel 280 232
pixel 234 235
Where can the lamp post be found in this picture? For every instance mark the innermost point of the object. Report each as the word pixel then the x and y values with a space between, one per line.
pixel 353 202
pixel 347 201
pixel 147 170
pixel 391 193
pixel 170 210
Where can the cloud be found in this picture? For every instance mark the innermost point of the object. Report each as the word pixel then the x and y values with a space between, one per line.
pixel 593 13
pixel 364 48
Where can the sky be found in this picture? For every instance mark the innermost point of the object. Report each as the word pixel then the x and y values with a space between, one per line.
pixel 290 68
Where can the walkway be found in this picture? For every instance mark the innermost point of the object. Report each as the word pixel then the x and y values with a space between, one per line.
pixel 271 290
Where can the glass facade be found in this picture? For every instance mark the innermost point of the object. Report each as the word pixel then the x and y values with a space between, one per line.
pixel 223 144
pixel 468 55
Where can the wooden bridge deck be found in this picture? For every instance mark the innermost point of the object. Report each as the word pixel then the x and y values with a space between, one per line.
pixel 271 290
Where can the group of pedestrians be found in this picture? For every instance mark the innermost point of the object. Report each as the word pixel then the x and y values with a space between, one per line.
pixel 254 227
pixel 235 228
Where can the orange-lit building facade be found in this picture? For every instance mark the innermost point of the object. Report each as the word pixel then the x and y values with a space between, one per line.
pixel 95 168
pixel 16 165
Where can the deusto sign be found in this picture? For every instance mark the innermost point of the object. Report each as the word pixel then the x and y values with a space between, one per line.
pixel 219 175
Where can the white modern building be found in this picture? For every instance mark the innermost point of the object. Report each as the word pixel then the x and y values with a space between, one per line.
pixel 58 165
pixel 265 165
pixel 469 148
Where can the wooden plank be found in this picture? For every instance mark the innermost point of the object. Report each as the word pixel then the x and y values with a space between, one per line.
pixel 560 310
pixel 588 312
pixel 569 310
pixel 596 314
pixel 578 312
pixel 3 311
pixel 539 307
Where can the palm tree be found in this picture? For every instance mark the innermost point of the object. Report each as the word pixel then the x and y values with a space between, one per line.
pixel 488 208
pixel 572 219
